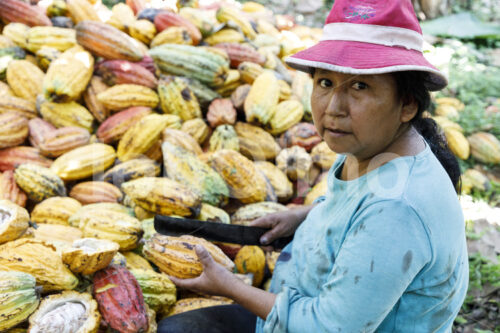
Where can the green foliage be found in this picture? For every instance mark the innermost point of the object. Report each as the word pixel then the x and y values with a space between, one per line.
pixel 482 271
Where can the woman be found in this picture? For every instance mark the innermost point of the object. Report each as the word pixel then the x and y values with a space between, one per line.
pixel 384 250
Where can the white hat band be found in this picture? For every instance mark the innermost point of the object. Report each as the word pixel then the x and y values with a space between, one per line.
pixel 374 34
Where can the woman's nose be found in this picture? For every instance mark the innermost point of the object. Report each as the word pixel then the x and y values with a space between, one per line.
pixel 337 105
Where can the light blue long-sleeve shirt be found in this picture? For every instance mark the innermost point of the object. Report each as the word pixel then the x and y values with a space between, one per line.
pixel 385 252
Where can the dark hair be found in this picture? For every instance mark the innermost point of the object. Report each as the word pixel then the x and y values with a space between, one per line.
pixel 411 87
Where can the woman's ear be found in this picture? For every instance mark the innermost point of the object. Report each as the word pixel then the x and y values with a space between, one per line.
pixel 409 110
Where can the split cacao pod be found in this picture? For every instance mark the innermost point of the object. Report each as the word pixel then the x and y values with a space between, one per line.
pixel 88 255
pixel 176 256
pixel 13 221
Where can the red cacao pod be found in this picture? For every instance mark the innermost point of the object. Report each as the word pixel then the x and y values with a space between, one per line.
pixel 11 158
pixel 239 53
pixel 22 12
pixel 302 134
pixel 167 19
pixel 113 128
pixel 9 189
pixel 38 129
pixel 122 71
pixel 120 300
pixel 221 112
pixel 148 63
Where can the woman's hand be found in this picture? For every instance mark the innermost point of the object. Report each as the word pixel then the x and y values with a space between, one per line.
pixel 282 224
pixel 215 279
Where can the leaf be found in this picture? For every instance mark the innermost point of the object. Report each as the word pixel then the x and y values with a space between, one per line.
pixel 462 26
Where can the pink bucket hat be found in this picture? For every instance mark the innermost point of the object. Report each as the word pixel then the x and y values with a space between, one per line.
pixel 370 37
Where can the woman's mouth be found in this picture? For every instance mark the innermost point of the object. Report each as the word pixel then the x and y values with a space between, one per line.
pixel 336 133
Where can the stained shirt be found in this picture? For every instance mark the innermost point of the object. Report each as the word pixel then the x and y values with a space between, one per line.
pixel 385 252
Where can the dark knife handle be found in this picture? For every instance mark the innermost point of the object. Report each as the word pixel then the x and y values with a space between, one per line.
pixel 280 243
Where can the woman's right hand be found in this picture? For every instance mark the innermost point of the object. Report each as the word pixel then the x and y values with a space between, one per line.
pixel 282 224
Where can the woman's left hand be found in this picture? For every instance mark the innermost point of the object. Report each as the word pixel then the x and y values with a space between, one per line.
pixel 215 279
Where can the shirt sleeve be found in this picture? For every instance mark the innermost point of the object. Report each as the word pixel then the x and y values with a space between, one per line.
pixel 384 249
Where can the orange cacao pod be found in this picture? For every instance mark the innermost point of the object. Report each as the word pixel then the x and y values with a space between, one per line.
pixel 106 41
pixel 11 158
pixel 62 140
pixel 38 129
pixel 94 192
pixel 95 87
pixel 9 189
pixel 13 129
pixel 302 134
pixel 113 128
pixel 239 53
pixel 22 12
pixel 221 112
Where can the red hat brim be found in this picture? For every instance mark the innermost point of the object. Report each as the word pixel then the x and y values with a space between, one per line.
pixel 365 58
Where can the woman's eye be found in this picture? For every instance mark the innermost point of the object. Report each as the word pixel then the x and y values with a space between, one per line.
pixel 324 83
pixel 359 85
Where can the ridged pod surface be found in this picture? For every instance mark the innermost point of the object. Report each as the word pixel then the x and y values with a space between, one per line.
pixel 67 114
pixel 318 190
pixel 157 289
pixel 213 214
pixel 62 140
pixel 203 93
pixel 19 298
pixel 95 87
pixel 113 128
pixel 11 158
pixel 167 19
pixel 39 183
pixel 69 311
pixel 17 33
pixel 457 143
pixel 106 41
pixel 25 79
pixel 302 86
pixel 122 96
pixel 186 168
pixel 240 174
pixel 176 256
pixel 286 115
pixel 84 161
pixel 22 12
pixel 262 99
pixel 120 300
pixel 135 261
pixel 197 128
pixel 283 187
pixel 323 156
pixel 255 143
pixel 303 135
pixel 131 169
pixel 485 147
pixel 9 189
pixel 13 130
pixel 194 303
pixel 225 14
pixel 115 226
pixel 181 139
pixel 239 53
pixel 123 71
pixel 68 75
pixel 163 196
pixel 224 137
pixel 95 191
pixel 141 136
pixel 81 10
pixel 60 39
pixel 20 106
pixel 251 259
pixel 55 210
pixel 13 221
pixel 473 179
pixel 190 61
pixel 221 112
pixel 246 214
pixel 249 71
pixel 172 35
pixel 295 162
pixel 88 255
pixel 142 30
pixel 177 98
pixel 225 36
pixel 39 259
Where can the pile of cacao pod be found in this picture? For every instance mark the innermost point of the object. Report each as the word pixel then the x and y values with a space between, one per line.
pixel 111 116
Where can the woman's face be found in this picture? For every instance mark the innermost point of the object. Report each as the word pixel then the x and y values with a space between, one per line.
pixel 357 114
